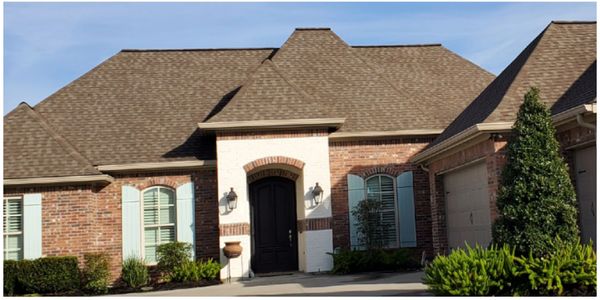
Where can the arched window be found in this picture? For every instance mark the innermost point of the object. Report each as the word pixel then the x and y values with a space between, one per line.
pixel 159 219
pixel 382 188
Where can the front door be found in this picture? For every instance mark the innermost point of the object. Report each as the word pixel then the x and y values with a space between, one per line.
pixel 275 239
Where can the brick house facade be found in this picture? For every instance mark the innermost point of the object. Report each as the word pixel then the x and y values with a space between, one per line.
pixel 261 123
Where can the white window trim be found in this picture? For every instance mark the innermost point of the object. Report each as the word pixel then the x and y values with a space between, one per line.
pixel 396 213
pixel 143 226
pixel 5 234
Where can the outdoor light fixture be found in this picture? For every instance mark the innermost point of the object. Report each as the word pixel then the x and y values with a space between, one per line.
pixel 231 199
pixel 317 193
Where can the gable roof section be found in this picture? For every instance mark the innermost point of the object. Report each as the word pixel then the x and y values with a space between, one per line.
pixel 339 81
pixel 553 61
pixel 33 148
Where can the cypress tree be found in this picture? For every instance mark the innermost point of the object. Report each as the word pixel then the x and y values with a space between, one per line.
pixel 536 200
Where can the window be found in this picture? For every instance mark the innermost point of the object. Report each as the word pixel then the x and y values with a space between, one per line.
pixel 13 228
pixel 382 188
pixel 159 220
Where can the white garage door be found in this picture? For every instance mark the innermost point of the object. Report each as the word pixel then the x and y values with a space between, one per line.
pixel 467 206
pixel 585 170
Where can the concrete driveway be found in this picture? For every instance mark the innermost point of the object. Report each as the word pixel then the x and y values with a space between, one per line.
pixel 301 284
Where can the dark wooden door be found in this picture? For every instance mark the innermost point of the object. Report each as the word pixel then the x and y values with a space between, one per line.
pixel 275 237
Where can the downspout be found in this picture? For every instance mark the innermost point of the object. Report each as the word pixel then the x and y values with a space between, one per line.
pixel 583 123
pixel 424 168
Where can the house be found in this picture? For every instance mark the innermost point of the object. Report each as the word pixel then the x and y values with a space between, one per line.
pixel 269 147
pixel 465 161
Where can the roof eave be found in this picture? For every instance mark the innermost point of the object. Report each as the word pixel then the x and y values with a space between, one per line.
pixel 83 179
pixel 343 136
pixel 153 166
pixel 464 136
pixel 570 114
pixel 273 124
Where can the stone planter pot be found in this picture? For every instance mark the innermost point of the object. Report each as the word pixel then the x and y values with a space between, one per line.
pixel 232 249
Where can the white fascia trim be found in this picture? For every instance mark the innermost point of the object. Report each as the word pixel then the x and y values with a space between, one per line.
pixel 273 124
pixel 62 179
pixel 375 134
pixel 192 164
pixel 461 138
pixel 572 113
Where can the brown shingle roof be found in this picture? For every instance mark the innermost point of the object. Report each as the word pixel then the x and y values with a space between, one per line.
pixel 553 62
pixel 33 149
pixel 375 88
pixel 144 105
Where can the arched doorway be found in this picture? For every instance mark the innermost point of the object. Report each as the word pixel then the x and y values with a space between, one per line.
pixel 274 233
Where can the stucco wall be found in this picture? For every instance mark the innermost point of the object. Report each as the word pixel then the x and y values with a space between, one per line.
pixel 313 151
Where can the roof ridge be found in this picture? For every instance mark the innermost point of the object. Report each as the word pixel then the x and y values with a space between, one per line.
pixel 572 22
pixel 398 45
pixel 468 61
pixel 68 147
pixel 293 85
pixel 200 49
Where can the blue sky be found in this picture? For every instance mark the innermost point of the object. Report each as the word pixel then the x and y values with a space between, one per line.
pixel 48 45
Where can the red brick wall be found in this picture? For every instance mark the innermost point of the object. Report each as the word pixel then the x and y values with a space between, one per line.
pixel 87 218
pixel 364 158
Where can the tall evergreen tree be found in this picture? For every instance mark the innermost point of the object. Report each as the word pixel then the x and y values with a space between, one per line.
pixel 536 200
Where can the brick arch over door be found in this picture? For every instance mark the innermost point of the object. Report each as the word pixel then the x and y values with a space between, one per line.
pixel 273 160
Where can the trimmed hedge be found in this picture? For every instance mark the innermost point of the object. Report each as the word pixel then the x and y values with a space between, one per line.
pixel 497 271
pixel 353 261
pixel 46 275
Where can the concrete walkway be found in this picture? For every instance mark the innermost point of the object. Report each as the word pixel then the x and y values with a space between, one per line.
pixel 301 284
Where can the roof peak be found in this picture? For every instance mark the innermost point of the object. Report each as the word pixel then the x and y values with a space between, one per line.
pixel 312 28
pixel 199 49
pixel 398 46
pixel 572 22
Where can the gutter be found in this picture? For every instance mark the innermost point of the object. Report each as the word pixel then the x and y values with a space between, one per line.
pixel 376 134
pixel 273 124
pixel 190 164
pixel 59 180
pixel 471 133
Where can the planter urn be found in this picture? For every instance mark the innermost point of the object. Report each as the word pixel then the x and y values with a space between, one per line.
pixel 232 249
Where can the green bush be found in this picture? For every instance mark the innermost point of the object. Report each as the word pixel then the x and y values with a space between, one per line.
pixel 134 272
pixel 473 272
pixel 59 274
pixel 352 261
pixel 11 283
pixel 536 200
pixel 191 271
pixel 171 255
pixel 95 274
pixel 570 269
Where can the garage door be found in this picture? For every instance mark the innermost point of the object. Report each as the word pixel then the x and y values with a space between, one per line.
pixel 585 171
pixel 467 206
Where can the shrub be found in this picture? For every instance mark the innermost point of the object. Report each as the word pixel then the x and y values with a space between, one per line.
pixel 352 261
pixel 134 272
pixel 369 226
pixel 171 255
pixel 95 274
pixel 473 272
pixel 45 275
pixel 11 270
pixel 191 271
pixel 570 269
pixel 536 199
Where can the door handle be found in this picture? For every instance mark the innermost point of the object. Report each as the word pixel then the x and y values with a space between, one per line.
pixel 471 218
pixel 290 237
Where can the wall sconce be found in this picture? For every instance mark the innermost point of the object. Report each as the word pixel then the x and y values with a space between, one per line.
pixel 317 193
pixel 231 199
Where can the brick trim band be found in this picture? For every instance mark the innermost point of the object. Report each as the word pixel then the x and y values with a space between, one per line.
pixel 270 160
pixel 314 224
pixel 234 229
pixel 272 172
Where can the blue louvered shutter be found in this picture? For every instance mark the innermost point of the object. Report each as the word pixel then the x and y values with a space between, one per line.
pixel 32 226
pixel 356 193
pixel 131 220
pixel 406 210
pixel 185 215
